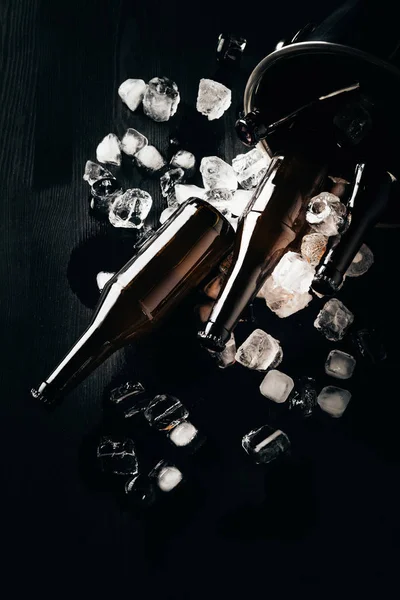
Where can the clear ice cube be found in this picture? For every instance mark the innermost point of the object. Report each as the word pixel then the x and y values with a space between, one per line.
pixel 140 490
pixel 326 214
pixel 102 278
pixel 313 247
pixel 128 399
pixel 117 456
pixel 131 92
pixel 266 444
pixel 250 168
pixel 340 364
pixel 334 400
pixel 133 141
pixel 304 398
pixel 104 192
pixel 220 199
pixel 230 47
pixel 165 412
pixel 185 160
pixel 259 351
pixel 240 200
pixel 217 174
pixel 161 99
pixel 362 261
pixel 167 184
pixel 213 99
pixel 184 192
pixel 149 159
pixel 369 345
pixel 183 434
pixel 94 172
pixel 166 475
pixel 334 320
pixel 130 209
pixel 280 301
pixel 109 150
pixel 276 386
pixel 293 273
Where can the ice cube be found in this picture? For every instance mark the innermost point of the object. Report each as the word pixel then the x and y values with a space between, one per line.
pixel 128 399
pixel 304 399
pixel 313 247
pixel 131 92
pixel 166 475
pixel 167 213
pixel 130 209
pixel 250 168
pixel 334 400
pixel 217 174
pixel 165 412
pixel 213 99
pixel 259 351
pixel 280 301
pixel 293 273
pixel 326 214
pixel 184 192
pixel 117 456
pixel 230 47
pixel 276 386
pixel 102 278
pixel 340 364
pixel 133 141
pixel 362 261
pixel 220 199
pixel 104 192
pixel 183 434
pixel 140 490
pixel 369 345
pixel 266 444
pixel 161 99
pixel 94 172
pixel 185 160
pixel 226 358
pixel 149 159
pixel 241 198
pixel 334 320
pixel 109 150
pixel 167 184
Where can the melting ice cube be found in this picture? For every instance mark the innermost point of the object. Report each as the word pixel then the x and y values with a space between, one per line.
pixel 266 444
pixel 276 386
pixel 217 174
pixel 250 168
pixel 259 351
pixel 149 159
pixel 117 456
pixel 104 192
pixel 161 99
pixel 133 141
pixel 130 209
pixel 340 364
pixel 213 99
pixel 128 399
pixel 131 92
pixel 109 150
pixel 165 412
pixel 334 400
pixel 94 172
pixel 326 214
pixel 362 261
pixel 334 320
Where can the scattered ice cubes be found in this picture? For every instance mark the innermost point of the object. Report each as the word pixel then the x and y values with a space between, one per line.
pixel 133 141
pixel 230 47
pixel 131 92
pixel 104 192
pixel 213 99
pixel 109 150
pixel 369 345
pixel 250 168
pixel 259 351
pixel 167 476
pixel 150 159
pixel 165 412
pixel 280 301
pixel 334 400
pixel 217 174
pixel 117 456
pixel 362 261
pixel 334 320
pixel 130 209
pixel 266 444
pixel 313 247
pixel 304 399
pixel 184 192
pixel 167 184
pixel 183 434
pixel 276 386
pixel 128 399
pixel 161 99
pixel 140 490
pixel 94 172
pixel 167 213
pixel 185 160
pixel 340 364
pixel 326 214
pixel 293 273
pixel 102 278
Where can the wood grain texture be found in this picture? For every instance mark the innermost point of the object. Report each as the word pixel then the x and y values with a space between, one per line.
pixel 333 513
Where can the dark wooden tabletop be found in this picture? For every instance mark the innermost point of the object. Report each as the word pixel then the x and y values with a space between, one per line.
pixel 330 518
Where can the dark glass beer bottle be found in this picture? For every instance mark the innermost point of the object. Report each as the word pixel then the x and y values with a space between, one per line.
pixel 154 282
